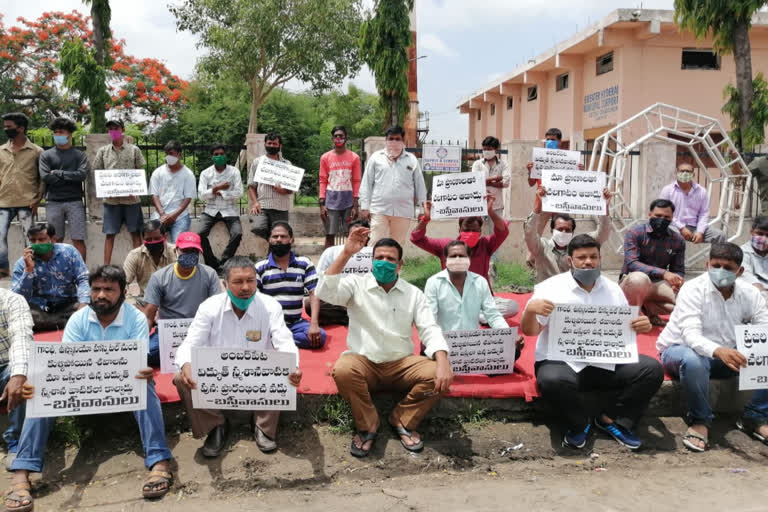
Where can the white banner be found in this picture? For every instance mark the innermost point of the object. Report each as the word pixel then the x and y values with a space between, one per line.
pixel 120 182
pixel 275 172
pixel 752 342
pixel 171 333
pixel 482 351
pixel 360 263
pixel 559 159
pixel 94 377
pixel 576 192
pixel 592 334
pixel 243 379
pixel 459 195
pixel 438 158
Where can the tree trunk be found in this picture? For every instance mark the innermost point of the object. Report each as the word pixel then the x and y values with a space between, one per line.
pixel 256 101
pixel 98 110
pixel 393 110
pixel 742 56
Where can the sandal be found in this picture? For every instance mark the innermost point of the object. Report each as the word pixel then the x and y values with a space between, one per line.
pixel 155 479
pixel 364 438
pixel 692 434
pixel 19 492
pixel 402 431
pixel 751 430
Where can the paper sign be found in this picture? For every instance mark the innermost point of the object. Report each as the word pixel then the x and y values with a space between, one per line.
pixel 171 333
pixel 360 263
pixel 275 172
pixel 120 182
pixel 592 334
pixel 438 158
pixel 459 195
pixel 752 342
pixel 559 159
pixel 243 379
pixel 95 377
pixel 482 351
pixel 576 192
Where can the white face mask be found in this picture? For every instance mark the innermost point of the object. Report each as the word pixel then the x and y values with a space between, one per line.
pixel 685 177
pixel 489 154
pixel 457 264
pixel 171 160
pixel 561 238
pixel 394 148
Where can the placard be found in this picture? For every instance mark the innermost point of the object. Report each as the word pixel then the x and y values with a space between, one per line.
pixel 120 182
pixel 171 333
pixel 94 377
pixel 592 334
pixel 752 342
pixel 439 158
pixel 243 379
pixel 275 172
pixel 360 263
pixel 459 195
pixel 482 351
pixel 560 159
pixel 576 192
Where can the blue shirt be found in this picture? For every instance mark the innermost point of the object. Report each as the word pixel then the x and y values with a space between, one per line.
pixel 287 286
pixel 130 324
pixel 61 280
pixel 455 312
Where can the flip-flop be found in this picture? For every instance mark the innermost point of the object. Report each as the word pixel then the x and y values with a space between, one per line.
pixel 14 495
pixel 692 434
pixel 752 433
pixel 155 478
pixel 364 438
pixel 402 431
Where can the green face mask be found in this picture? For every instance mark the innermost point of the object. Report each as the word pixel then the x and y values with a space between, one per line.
pixel 220 160
pixel 384 271
pixel 241 304
pixel 41 249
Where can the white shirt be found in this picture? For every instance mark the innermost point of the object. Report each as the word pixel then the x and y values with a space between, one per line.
pixel 226 201
pixel 755 266
pixel 360 263
pixel 500 168
pixel 216 325
pixel 380 323
pixel 563 289
pixel 704 321
pixel 172 188
pixel 392 188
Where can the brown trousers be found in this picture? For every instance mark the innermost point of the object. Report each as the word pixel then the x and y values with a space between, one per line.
pixel 203 421
pixel 357 377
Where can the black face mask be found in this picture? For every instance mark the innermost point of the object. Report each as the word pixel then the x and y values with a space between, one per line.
pixel 279 250
pixel 155 249
pixel 11 133
pixel 659 225
pixel 272 150
pixel 102 309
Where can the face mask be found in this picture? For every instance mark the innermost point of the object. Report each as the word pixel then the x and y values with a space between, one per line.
pixel 659 225
pixel 241 304
pixel 188 259
pixel 561 238
pixel 220 160
pixel 171 160
pixel 339 142
pixel 384 271
pixel 103 307
pixel 279 250
pixel 60 140
pixel 721 277
pixel 759 242
pixel 115 135
pixel 489 154
pixel 155 247
pixel 685 177
pixel 457 264
pixel 470 238
pixel 41 249
pixel 394 148
pixel 272 150
pixel 551 144
pixel 585 276
pixel 11 133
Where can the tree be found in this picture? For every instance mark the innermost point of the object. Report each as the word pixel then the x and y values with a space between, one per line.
pixel 729 22
pixel 384 41
pixel 267 43
pixel 101 16
pixel 755 133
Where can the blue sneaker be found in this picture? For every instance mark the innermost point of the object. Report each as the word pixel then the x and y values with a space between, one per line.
pixel 622 435
pixel 578 439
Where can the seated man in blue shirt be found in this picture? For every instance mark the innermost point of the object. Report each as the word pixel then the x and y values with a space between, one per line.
pixel 52 277
pixel 108 318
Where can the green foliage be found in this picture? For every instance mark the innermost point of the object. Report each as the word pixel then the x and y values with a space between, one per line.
pixel 336 412
pixel 417 270
pixel 85 76
pixel 756 129
pixel 718 16
pixel 512 275
pixel 67 431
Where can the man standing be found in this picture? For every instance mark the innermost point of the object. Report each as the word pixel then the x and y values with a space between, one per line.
pixel 392 187
pixel 221 188
pixel 119 210
pixel 691 208
pixel 172 187
pixel 563 384
pixel 269 204
pixel 552 140
pixel 64 169
pixel 756 256
pixel 383 311
pixel 497 175
pixel 21 188
pixel 154 254
pixel 339 186
pixel 240 318
pixel 52 278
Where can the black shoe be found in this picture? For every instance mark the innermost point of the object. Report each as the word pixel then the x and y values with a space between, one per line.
pixel 216 440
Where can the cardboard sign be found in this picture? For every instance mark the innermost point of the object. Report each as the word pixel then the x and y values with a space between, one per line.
pixel 275 172
pixel 171 333
pixel 459 195
pixel 559 159
pixel 120 182
pixel 575 192
pixel 482 351
pixel 752 342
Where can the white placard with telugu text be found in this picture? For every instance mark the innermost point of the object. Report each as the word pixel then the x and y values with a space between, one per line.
pixel 459 195
pixel 574 192
pixel 482 351
pixel 120 182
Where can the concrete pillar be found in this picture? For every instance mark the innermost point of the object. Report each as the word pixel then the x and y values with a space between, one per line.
pixel 518 199
pixel 93 141
pixel 254 143
pixel 373 144
pixel 656 169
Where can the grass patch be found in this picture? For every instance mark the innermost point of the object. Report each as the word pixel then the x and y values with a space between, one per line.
pixel 509 276
pixel 417 270
pixel 67 431
pixel 513 275
pixel 335 411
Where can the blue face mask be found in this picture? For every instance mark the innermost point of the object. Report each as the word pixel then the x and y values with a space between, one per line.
pixel 721 277
pixel 384 271
pixel 241 304
pixel 188 259
pixel 60 140
pixel 551 144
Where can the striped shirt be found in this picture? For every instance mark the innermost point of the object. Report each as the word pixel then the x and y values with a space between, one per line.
pixel 269 198
pixel 287 286
pixel 127 157
pixel 15 332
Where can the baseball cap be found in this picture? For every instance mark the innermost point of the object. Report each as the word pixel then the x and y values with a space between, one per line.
pixel 188 240
pixel 116 122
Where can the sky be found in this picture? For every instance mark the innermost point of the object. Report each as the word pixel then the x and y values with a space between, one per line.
pixel 466 43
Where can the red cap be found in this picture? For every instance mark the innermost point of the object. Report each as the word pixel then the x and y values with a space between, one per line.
pixel 188 239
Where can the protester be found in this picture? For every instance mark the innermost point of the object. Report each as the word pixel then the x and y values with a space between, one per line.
pixel 64 169
pixel 756 256
pixel 552 140
pixel 287 277
pixel 497 176
pixel 758 168
pixel 563 384
pixel 19 196
pixel 241 318
pixel 691 202
pixel 339 186
pixel 550 254
pixel 269 203
pixel 172 187
pixel 383 310
pixel 221 188
pixel 108 318
pixel 176 291
pixel 392 186
pixel 654 262
pixel 52 278
pixel 119 210
pixel 699 342
pixel 154 253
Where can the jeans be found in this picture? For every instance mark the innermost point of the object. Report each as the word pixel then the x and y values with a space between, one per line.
pixel 181 225
pixel 694 372
pixel 153 355
pixel 235 235
pixel 6 216
pixel 15 417
pixel 299 330
pixel 34 437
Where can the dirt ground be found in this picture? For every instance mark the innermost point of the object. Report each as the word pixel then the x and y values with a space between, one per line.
pixel 477 466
